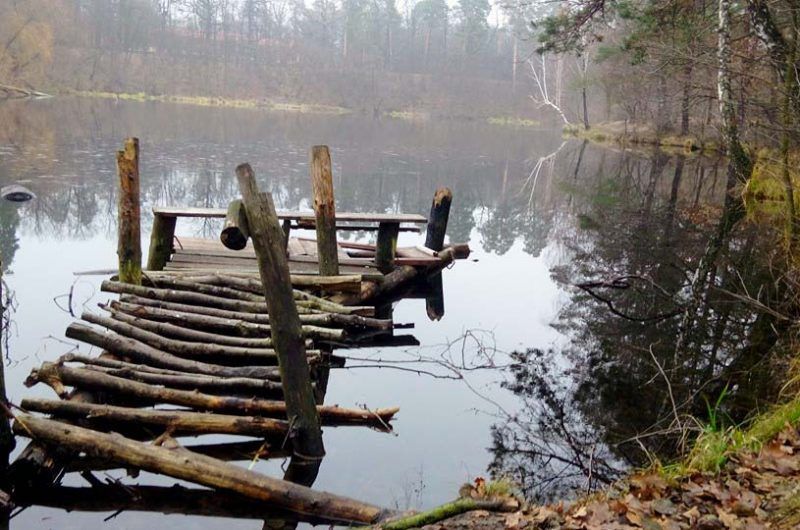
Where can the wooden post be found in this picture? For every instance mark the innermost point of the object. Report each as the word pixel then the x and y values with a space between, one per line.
pixel 325 210
pixel 235 233
pixel 287 333
pixel 437 222
pixel 161 239
pixel 129 245
pixel 386 247
pixel 287 229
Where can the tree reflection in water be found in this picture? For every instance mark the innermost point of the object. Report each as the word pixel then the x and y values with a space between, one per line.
pixel 618 392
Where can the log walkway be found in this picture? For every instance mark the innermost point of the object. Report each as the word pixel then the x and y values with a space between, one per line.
pixel 194 350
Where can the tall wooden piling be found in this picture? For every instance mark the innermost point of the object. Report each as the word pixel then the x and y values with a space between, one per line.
pixel 287 334
pixel 161 239
pixel 324 210
pixel 437 221
pixel 129 245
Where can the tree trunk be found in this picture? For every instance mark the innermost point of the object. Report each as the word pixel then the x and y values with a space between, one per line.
pixel 324 210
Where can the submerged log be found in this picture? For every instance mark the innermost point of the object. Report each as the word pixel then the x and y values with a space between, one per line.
pixel 235 232
pixel 143 353
pixel 174 499
pixel 129 245
pixel 230 326
pixel 273 268
pixel 324 210
pixel 182 464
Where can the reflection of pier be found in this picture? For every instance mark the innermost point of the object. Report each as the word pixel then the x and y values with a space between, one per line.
pixel 204 342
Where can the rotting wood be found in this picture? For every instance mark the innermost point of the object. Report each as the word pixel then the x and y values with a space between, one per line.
pixel 56 376
pixel 401 276
pixel 175 499
pixel 235 232
pixel 182 464
pixel 267 237
pixel 179 421
pixel 324 210
pixel 214 385
pixel 171 330
pixel 219 213
pixel 268 447
pixel 235 327
pixel 450 509
pixel 204 288
pixel 161 242
pixel 343 283
pixel 184 348
pixel 437 221
pixel 186 297
pixel 247 324
pixel 143 353
pixel 129 246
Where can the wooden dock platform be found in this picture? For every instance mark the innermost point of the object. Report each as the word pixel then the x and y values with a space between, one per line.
pixel 198 348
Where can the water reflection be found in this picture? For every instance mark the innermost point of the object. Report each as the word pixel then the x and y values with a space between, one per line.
pixel 605 240
pixel 632 374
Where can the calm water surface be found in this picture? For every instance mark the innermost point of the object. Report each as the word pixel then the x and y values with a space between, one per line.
pixel 539 213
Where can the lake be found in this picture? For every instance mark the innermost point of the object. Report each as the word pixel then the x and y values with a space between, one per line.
pixel 541 215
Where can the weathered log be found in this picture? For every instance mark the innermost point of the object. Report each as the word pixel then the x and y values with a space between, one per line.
pixel 186 297
pixel 140 352
pixel 437 221
pixel 161 238
pixel 324 210
pixel 231 326
pixel 179 421
pixel 182 464
pixel 213 385
pixel 402 276
pixel 58 376
pixel 267 236
pixel 450 509
pixel 342 283
pixel 434 299
pixel 199 287
pixel 182 348
pixel 235 233
pixel 265 448
pixel 129 245
pixel 170 330
pixel 386 248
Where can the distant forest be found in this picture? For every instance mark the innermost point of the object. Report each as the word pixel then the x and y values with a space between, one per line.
pixel 372 55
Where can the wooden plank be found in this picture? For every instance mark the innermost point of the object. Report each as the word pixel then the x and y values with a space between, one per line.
pixel 219 258
pixel 219 213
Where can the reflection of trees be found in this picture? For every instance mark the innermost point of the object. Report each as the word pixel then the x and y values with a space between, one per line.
pixel 632 258
pixel 9 220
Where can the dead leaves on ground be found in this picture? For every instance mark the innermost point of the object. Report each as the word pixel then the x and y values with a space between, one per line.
pixel 747 495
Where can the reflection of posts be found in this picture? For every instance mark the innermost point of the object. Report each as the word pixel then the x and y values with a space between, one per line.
pixel 434 240
pixel 129 245
pixel 287 333
pixel 6 438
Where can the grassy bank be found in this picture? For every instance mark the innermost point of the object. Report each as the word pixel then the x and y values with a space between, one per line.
pixel 627 134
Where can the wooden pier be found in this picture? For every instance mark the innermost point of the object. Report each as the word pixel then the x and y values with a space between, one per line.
pixel 212 340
